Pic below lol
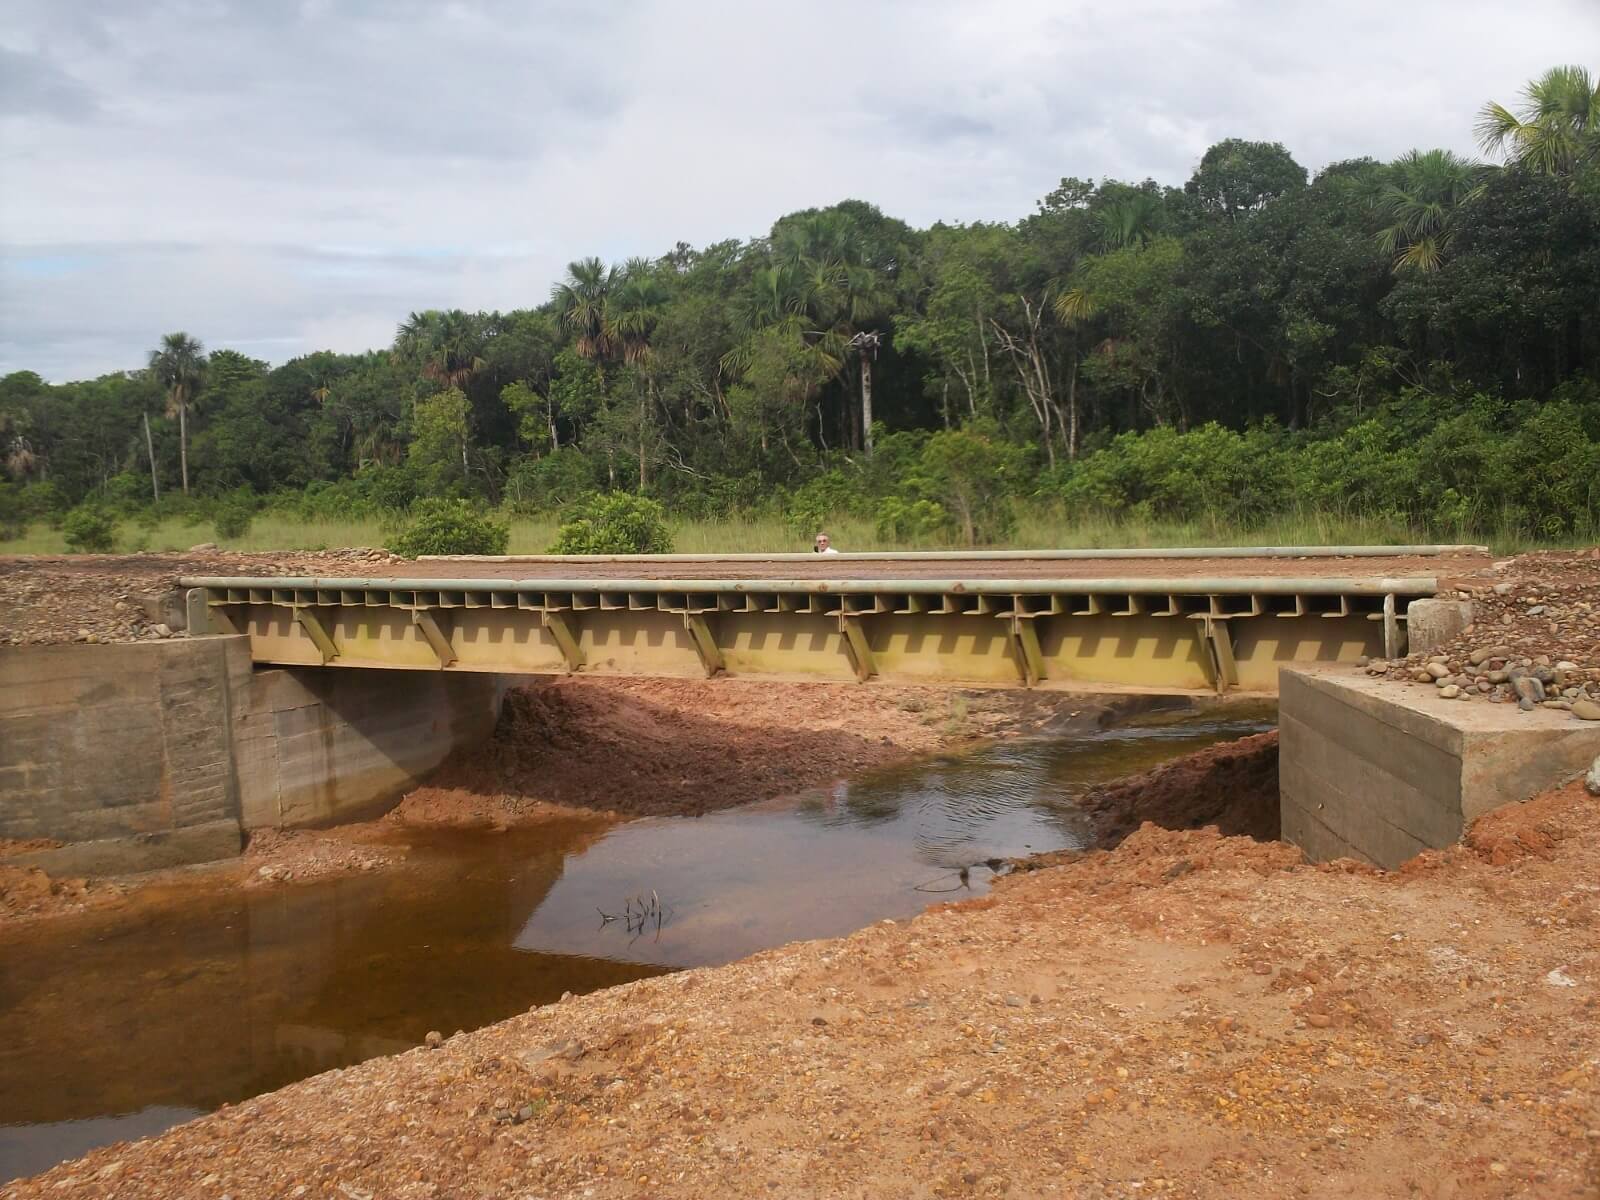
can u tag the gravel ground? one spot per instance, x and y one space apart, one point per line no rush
1186 1015
131 597
1534 638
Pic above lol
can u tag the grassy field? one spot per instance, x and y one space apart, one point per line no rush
1037 527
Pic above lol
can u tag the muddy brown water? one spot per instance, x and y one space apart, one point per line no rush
122 1024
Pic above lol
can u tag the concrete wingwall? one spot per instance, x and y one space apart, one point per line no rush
1381 770
315 747
148 754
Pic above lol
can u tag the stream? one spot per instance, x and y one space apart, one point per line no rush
123 1023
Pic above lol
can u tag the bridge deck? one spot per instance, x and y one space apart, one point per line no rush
1449 562
1058 619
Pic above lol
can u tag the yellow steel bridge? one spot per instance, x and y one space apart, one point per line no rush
1037 619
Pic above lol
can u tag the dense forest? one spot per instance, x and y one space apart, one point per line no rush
1418 337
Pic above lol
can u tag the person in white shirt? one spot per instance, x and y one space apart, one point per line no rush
824 545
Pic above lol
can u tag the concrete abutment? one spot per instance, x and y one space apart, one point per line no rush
150 754
1381 770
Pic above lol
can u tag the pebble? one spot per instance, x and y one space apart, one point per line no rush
1449 692
433 1040
1591 781
1015 1001
1586 710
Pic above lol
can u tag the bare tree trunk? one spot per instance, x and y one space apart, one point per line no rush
150 449
988 379
183 444
550 416
866 403
945 404
1032 373
1072 404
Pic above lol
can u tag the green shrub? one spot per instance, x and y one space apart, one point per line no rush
560 478
620 523
13 520
126 493
232 514
449 527
40 501
961 484
902 519
831 494
89 530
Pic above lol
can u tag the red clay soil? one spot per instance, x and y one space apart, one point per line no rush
28 892
1232 786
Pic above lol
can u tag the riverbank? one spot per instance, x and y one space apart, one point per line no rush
1186 1015
602 750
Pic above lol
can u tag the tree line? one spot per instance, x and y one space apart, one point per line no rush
1416 337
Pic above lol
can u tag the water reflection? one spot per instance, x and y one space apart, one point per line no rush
834 859
123 1023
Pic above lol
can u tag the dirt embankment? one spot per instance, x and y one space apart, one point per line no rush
1233 786
1184 1016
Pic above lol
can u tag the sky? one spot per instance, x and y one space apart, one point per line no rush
283 176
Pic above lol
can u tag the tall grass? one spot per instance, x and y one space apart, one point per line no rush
1038 526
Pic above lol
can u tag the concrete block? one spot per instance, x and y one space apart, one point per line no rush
1380 770
138 852
126 748
1432 623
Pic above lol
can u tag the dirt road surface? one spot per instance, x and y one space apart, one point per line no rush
1184 1016
1452 566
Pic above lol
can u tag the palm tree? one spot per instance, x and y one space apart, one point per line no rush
179 366
841 293
1425 191
632 309
581 303
1554 130
444 345
1128 220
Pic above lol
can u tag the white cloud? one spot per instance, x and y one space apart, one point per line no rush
291 176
